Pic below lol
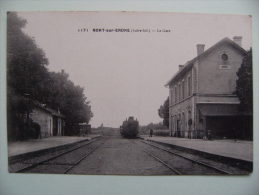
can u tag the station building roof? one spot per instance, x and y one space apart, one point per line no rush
189 64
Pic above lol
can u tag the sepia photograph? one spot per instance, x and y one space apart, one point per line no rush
129 93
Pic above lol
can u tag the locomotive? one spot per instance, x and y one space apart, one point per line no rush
129 128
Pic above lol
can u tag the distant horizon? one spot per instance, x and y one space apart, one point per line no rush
124 73
141 125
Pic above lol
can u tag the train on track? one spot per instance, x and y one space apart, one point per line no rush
129 128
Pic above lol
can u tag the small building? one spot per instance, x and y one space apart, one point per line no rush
202 101
51 122
85 129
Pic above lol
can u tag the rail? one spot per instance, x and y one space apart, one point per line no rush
56 156
192 160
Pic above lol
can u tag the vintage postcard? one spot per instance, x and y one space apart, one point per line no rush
129 93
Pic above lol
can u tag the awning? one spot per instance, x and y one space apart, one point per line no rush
218 109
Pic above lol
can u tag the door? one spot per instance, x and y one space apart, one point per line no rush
178 128
55 126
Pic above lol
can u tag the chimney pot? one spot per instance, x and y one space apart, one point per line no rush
200 48
238 40
181 66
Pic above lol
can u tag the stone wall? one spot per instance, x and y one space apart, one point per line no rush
44 119
217 76
180 114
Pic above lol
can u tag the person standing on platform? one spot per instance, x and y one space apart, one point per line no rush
151 132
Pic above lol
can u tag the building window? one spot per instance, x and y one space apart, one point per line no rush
175 97
171 96
224 57
179 92
183 122
183 88
189 86
224 61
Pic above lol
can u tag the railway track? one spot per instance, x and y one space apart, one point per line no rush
67 160
217 170
86 155
164 163
84 150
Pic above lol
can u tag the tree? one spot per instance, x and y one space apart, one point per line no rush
244 84
163 112
28 79
26 68
70 99
26 62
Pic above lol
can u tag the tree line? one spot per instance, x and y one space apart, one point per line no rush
28 78
163 112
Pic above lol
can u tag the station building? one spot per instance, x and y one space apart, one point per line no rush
51 122
202 101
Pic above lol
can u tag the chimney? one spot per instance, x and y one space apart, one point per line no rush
200 48
238 40
181 67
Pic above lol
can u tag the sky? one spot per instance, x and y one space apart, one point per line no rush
124 73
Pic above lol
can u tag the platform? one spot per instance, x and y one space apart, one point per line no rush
34 145
237 149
